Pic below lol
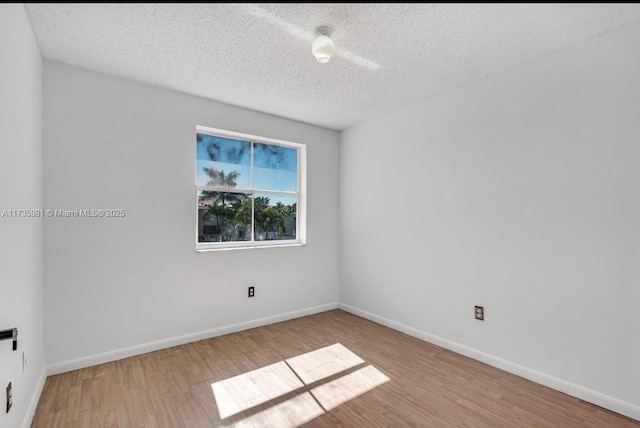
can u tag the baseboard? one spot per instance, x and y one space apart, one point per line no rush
106 357
35 397
597 398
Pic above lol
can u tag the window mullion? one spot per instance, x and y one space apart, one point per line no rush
253 218
253 214
298 191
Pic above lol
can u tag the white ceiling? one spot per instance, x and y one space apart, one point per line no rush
258 56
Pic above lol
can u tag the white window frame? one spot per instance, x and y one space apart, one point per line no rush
301 193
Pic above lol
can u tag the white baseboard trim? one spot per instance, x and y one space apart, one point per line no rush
119 354
597 398
35 397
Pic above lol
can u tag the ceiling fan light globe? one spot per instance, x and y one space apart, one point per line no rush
323 48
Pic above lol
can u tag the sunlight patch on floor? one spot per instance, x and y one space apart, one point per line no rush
324 362
330 395
243 393
247 390
291 413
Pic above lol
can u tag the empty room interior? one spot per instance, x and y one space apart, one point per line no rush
283 215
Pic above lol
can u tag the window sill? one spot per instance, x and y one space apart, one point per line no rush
235 246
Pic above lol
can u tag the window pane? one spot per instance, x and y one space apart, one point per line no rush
222 162
223 216
275 217
275 167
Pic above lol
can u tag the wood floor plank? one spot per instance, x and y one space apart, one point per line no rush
428 385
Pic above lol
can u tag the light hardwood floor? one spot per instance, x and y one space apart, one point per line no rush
428 387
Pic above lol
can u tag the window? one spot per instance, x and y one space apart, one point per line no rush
250 191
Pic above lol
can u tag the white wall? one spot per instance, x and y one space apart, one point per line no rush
120 283
20 238
519 192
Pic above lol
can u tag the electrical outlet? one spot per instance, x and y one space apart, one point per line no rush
252 291
480 313
9 397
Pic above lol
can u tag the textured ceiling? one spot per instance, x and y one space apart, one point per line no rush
258 56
